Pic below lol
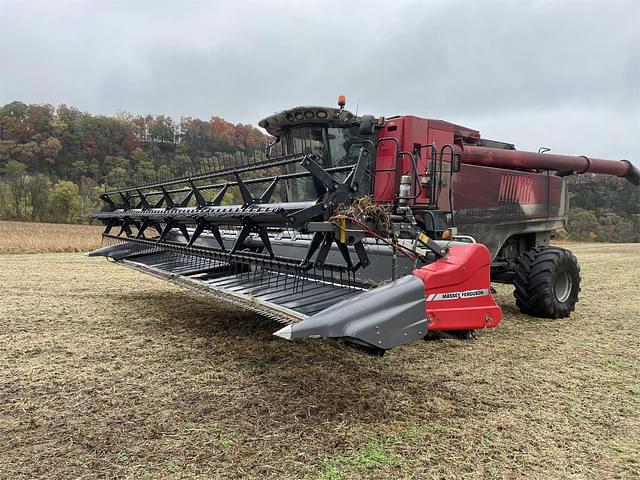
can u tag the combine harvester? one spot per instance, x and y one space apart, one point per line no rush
369 231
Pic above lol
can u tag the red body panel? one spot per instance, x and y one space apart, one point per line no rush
458 290
507 193
481 163
490 203
410 132
478 185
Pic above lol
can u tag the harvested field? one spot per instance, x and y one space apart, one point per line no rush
108 373
25 237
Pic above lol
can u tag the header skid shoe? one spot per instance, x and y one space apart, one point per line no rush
385 317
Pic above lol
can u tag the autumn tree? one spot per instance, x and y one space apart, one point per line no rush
51 148
139 155
27 153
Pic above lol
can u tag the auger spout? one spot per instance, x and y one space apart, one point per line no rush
566 164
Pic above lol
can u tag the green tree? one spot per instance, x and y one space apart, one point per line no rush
17 110
583 225
145 172
614 228
117 178
96 201
65 202
161 129
6 151
164 172
78 169
6 207
16 178
116 162
38 193
183 164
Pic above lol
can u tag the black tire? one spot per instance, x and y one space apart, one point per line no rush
547 282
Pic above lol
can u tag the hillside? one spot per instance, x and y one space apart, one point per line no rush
604 209
55 161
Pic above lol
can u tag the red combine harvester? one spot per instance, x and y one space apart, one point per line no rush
370 231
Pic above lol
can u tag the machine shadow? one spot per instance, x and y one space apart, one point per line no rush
309 377
183 311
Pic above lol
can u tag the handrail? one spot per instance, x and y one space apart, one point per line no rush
435 171
452 150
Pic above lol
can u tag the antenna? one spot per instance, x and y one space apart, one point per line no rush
357 105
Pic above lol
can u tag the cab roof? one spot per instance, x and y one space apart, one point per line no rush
278 122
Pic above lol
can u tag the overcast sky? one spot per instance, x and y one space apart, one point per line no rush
562 74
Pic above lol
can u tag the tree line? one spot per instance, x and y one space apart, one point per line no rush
603 209
55 162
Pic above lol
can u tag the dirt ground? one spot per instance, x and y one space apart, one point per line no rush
107 373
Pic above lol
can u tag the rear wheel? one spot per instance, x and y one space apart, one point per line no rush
547 282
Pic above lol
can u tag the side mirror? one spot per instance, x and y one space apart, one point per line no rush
367 124
269 146
455 163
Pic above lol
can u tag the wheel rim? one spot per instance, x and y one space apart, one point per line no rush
562 287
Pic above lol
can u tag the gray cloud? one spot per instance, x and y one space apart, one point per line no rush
564 74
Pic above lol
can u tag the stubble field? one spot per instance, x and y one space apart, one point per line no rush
107 373
27 237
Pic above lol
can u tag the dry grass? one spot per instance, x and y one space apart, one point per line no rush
24 237
108 373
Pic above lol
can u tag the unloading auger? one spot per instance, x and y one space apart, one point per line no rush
346 228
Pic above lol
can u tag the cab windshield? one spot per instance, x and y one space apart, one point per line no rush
336 147
313 140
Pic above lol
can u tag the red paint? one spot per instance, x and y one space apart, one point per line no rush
466 269
516 189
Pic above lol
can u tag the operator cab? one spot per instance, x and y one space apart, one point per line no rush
333 134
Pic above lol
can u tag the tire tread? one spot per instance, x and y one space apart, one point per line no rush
534 282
